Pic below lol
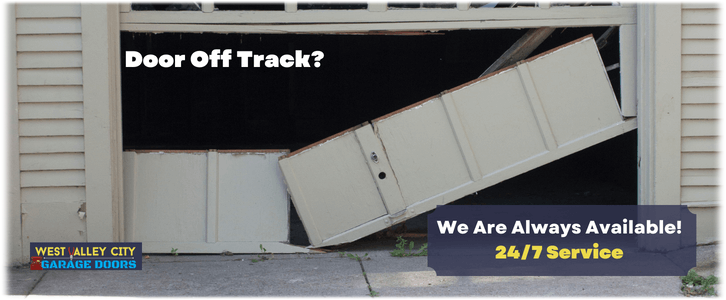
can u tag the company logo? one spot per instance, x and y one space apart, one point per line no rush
85 256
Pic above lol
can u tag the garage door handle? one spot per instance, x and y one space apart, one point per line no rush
374 157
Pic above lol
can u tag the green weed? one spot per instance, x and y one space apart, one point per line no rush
694 284
354 256
261 257
401 249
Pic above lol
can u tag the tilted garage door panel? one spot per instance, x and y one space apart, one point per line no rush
459 142
517 135
335 191
574 99
423 151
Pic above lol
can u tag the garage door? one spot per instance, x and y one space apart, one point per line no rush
440 149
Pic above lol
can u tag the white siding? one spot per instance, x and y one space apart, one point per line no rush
699 108
50 120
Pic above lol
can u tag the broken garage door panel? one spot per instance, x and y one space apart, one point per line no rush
448 146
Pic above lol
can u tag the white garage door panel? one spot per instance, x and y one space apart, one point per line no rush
206 201
516 132
251 188
577 100
422 151
449 146
336 190
170 192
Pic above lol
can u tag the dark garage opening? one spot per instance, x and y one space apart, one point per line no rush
361 77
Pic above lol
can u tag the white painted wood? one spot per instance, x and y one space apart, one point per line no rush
114 61
50 94
699 16
363 27
699 111
388 186
700 172
67 76
699 127
517 132
623 16
428 161
463 5
37 10
170 197
54 144
60 161
592 109
49 42
700 79
628 4
699 144
704 204
100 109
63 110
290 6
49 26
340 194
543 4
52 178
699 62
516 169
699 181
522 167
700 5
50 127
212 195
72 194
700 95
30 60
124 7
700 47
462 140
423 152
253 203
700 32
130 169
699 160
535 102
377 6
699 193
207 7
15 240
628 65
706 217
226 198
52 222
